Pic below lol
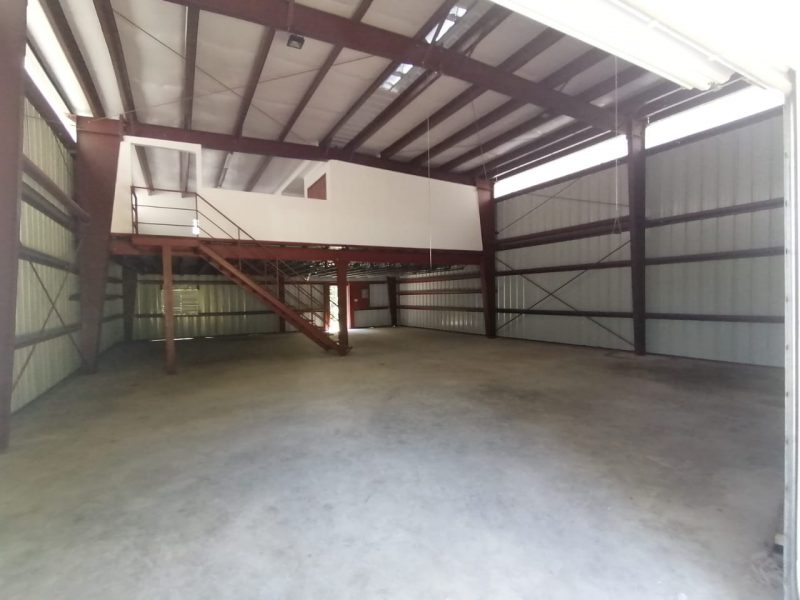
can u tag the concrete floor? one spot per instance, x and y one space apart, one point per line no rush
423 465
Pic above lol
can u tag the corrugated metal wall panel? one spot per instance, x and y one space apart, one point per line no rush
113 331
40 232
40 144
591 197
598 332
452 320
39 367
733 168
51 361
448 320
378 294
372 318
216 295
378 297
752 343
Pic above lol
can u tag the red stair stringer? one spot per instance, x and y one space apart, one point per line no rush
316 334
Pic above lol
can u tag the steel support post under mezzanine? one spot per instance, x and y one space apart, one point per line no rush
343 300
169 310
97 153
486 212
638 226
12 74
391 287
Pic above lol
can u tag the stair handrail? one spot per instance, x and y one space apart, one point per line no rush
240 230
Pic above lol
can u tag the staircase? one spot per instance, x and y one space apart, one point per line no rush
296 318
210 222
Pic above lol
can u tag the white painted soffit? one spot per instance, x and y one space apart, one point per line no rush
695 43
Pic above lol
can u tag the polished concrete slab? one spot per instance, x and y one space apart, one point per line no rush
423 465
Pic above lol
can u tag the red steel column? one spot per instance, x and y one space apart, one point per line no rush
391 284
95 179
169 316
12 74
344 301
486 212
636 210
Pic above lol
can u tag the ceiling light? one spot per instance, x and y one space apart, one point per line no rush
296 41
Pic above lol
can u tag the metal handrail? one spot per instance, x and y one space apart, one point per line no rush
240 230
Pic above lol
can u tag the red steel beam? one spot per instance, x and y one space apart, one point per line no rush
231 143
66 39
138 245
189 67
435 18
95 181
513 63
596 91
486 211
559 77
566 138
256 69
474 35
309 93
12 56
49 115
327 27
108 24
